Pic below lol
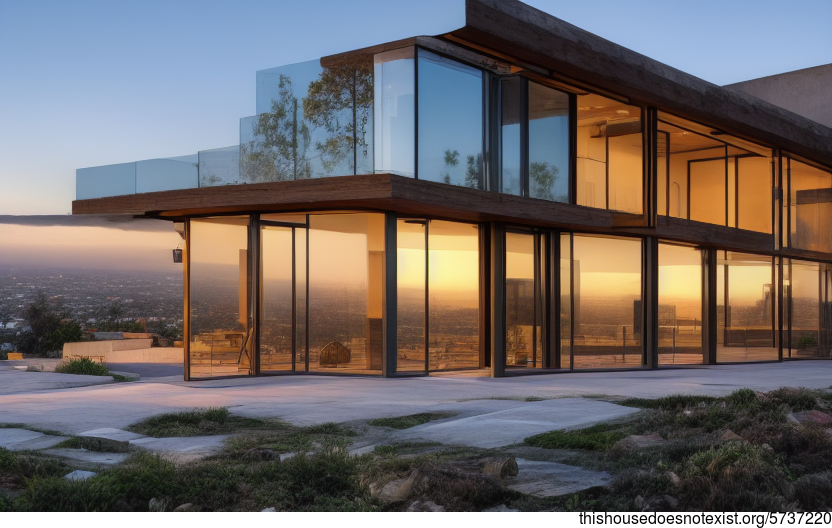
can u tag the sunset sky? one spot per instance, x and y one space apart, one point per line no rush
85 83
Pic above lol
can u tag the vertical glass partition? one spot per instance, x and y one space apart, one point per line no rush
220 333
548 143
607 302
411 264
395 112
511 124
810 200
346 265
314 119
610 172
680 305
806 306
454 288
521 298
450 121
746 308
708 176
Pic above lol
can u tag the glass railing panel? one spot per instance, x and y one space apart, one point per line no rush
107 180
219 166
167 174
395 112
313 121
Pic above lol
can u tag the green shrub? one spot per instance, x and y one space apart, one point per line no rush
595 438
84 366
197 422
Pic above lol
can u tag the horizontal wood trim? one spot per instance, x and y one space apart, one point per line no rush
408 196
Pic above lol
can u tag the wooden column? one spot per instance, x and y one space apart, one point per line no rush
709 301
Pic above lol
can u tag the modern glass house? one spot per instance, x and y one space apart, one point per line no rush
517 195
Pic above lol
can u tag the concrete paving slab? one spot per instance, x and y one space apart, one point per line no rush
191 445
93 457
308 400
550 479
112 434
515 423
23 439
22 381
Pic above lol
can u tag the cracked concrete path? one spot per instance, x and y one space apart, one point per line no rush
307 400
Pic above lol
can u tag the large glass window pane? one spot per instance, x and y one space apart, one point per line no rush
220 340
548 143
745 308
754 193
278 292
410 264
610 170
805 294
607 302
346 262
811 207
520 300
708 176
565 301
395 112
680 305
511 123
454 295
707 190
450 121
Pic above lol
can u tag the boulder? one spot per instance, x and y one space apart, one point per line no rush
730 436
395 490
810 417
80 475
674 479
268 509
187 507
157 505
501 467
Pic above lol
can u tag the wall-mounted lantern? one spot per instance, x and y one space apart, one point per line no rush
177 256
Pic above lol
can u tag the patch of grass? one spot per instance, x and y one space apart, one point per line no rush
100 445
669 403
50 432
197 422
411 420
84 366
119 378
599 437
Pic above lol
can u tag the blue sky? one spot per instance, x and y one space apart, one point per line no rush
97 82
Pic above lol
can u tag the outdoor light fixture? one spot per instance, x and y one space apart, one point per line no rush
177 256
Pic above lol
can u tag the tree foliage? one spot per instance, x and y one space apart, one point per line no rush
51 327
542 180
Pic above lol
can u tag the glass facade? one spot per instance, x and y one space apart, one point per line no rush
607 302
453 296
395 111
746 308
451 122
680 305
610 167
220 307
810 211
310 294
705 176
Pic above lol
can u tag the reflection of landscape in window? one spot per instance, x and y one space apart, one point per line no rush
607 302
745 308
410 262
450 122
220 338
680 305
454 295
312 122
548 143
807 308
